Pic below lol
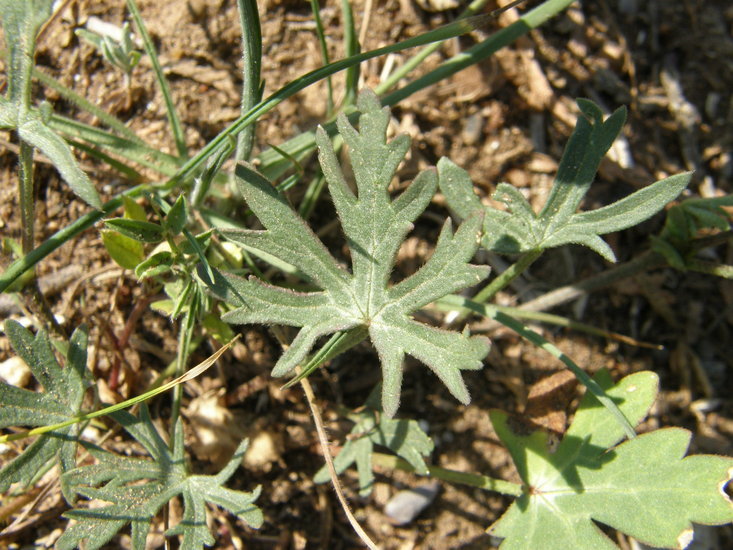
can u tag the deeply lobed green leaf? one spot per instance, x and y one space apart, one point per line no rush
643 487
136 489
375 226
404 437
61 401
520 229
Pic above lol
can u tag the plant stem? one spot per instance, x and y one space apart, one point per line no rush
26 193
31 293
323 439
514 271
474 480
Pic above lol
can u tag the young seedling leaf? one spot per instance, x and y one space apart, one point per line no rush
177 216
644 487
683 223
404 437
136 489
375 226
61 401
520 229
126 252
145 232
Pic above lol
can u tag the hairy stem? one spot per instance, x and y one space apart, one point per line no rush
32 295
474 480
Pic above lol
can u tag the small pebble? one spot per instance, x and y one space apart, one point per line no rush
15 372
405 506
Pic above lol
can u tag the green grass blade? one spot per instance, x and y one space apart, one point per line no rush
249 19
479 52
351 48
21 265
508 321
415 61
131 150
456 28
173 118
321 33
70 95
130 173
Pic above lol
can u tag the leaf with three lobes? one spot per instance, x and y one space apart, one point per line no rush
61 401
521 230
644 487
375 226
404 437
136 489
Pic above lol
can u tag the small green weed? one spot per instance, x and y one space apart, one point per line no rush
214 271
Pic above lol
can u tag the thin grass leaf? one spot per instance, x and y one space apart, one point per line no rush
70 95
375 226
21 21
249 22
450 30
321 33
133 150
173 118
492 312
351 48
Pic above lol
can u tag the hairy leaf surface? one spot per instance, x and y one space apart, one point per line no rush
20 22
375 226
644 487
404 437
520 229
61 401
136 489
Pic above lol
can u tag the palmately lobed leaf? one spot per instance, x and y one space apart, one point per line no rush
61 401
375 226
520 229
644 487
136 489
404 437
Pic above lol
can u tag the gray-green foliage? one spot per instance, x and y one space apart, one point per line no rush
136 489
404 437
520 229
21 21
683 223
643 487
375 226
61 401
121 54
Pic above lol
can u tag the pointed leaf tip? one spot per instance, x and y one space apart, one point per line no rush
375 226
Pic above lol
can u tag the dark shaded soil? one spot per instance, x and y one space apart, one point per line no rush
670 63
